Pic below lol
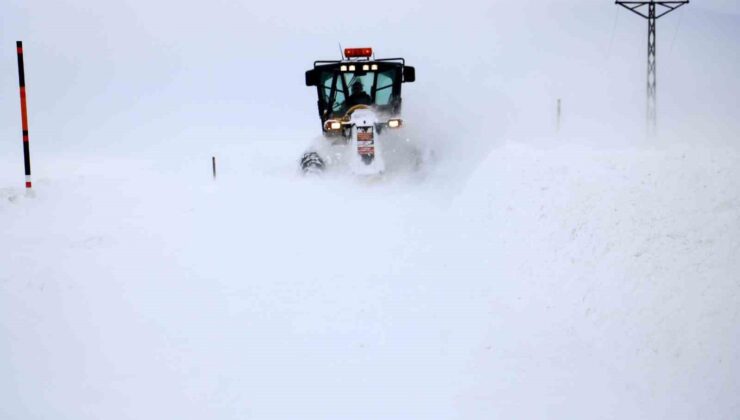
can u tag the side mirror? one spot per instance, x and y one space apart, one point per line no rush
409 74
312 77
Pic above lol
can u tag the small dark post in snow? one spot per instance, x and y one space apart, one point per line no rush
24 113
213 161
559 114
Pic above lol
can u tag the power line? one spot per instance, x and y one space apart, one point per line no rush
611 40
675 34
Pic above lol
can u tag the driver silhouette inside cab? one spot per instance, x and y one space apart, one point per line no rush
358 95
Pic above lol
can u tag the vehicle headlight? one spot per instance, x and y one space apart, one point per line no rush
395 122
332 125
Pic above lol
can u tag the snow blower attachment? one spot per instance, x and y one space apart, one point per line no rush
359 102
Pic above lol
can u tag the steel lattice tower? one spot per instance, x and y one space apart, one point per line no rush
652 15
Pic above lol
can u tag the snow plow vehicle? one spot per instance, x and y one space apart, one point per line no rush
359 103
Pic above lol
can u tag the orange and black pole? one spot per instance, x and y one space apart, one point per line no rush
24 114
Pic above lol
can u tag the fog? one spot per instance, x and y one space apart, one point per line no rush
133 75
522 272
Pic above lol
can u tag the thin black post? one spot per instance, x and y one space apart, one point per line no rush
652 71
24 114
213 161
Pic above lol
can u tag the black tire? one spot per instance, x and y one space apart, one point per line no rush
311 163
367 159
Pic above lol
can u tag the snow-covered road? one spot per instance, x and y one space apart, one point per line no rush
543 282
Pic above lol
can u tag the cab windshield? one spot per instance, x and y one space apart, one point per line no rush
342 90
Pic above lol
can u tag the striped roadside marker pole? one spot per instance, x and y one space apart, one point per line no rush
24 114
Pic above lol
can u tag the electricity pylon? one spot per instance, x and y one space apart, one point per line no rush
652 15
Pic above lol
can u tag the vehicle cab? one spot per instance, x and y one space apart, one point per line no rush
358 80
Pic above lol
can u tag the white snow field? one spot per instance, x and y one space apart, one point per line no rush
555 283
523 274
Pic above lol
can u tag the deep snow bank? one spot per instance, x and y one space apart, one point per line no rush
553 282
621 278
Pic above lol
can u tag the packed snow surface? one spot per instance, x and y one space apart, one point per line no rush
549 282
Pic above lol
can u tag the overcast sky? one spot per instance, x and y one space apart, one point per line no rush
137 72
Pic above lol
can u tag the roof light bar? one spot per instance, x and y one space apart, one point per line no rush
358 52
